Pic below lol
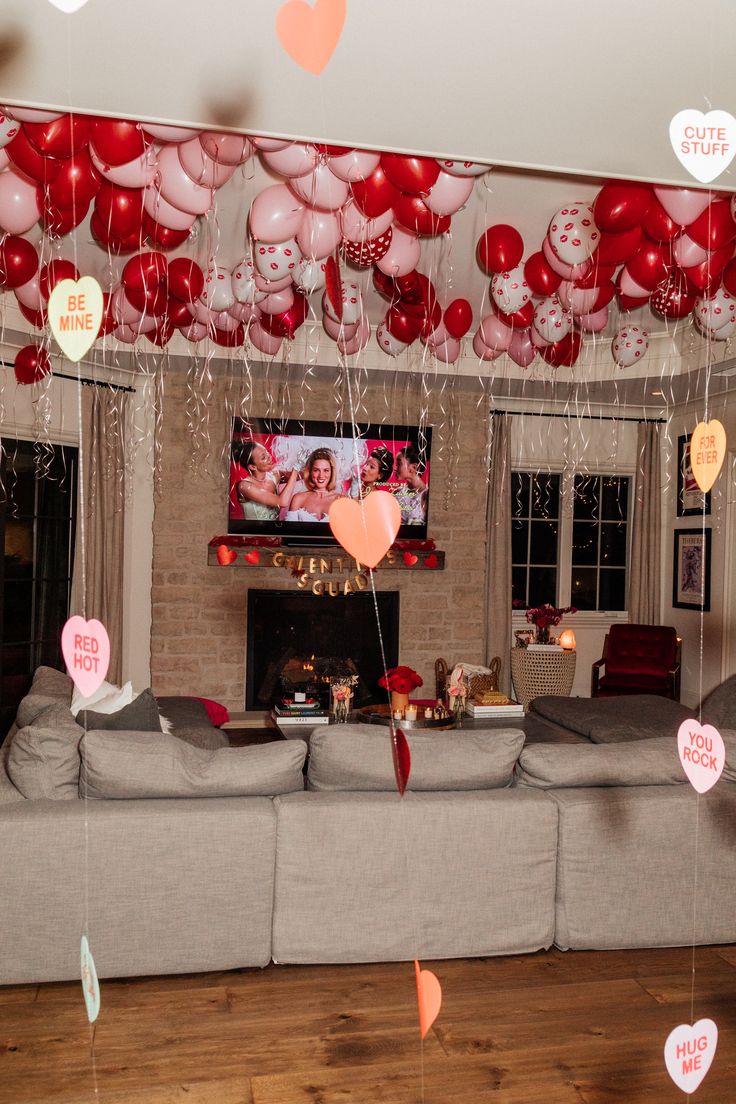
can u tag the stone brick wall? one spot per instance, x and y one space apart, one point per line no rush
199 612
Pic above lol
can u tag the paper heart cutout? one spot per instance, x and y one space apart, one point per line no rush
689 1052
366 529
429 998
402 758
90 984
68 6
410 559
253 557
431 561
707 453
702 754
75 311
309 34
225 555
704 145
85 646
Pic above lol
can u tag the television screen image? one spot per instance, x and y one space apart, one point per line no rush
284 475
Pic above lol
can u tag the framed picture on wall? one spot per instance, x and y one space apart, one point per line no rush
691 569
690 499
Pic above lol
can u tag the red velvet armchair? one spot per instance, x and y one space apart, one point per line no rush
638 659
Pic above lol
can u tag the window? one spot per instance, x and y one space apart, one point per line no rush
37 517
570 540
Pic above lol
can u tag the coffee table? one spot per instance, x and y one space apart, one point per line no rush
536 729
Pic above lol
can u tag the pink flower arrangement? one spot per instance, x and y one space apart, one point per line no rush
401 679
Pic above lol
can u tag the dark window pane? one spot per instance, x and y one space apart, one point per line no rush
20 481
543 546
520 494
585 504
18 548
613 545
614 498
518 584
613 589
545 496
519 541
542 585
584 542
48 653
583 595
17 610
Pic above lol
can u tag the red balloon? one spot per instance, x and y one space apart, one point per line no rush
563 353
163 236
631 302
53 273
18 261
186 279
162 332
114 242
37 318
616 249
673 297
153 302
61 137
715 227
333 151
374 196
621 205
707 276
729 277
119 210
500 248
412 212
27 158
404 327
650 265
108 323
458 317
417 296
76 183
540 276
32 363
229 339
606 292
521 319
288 322
59 221
597 275
146 272
410 174
178 312
117 141
385 285
658 224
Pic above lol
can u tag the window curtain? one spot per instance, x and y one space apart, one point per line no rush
498 548
97 588
644 577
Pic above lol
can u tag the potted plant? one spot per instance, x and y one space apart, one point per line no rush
400 681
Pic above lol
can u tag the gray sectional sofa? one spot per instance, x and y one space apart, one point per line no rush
178 858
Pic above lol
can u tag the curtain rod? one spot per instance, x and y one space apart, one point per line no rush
84 380
589 417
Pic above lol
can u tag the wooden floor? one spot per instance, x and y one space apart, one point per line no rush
579 1027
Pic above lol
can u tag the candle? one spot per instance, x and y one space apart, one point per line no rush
397 715
428 714
411 712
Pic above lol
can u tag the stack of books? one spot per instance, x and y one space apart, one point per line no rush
308 712
503 707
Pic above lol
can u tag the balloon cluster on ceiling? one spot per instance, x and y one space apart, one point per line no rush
338 209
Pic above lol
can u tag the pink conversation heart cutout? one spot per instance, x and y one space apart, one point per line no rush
702 754
689 1052
85 646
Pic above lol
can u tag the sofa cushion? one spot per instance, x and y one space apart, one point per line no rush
52 684
652 762
614 720
32 706
359 757
719 707
43 758
140 715
152 764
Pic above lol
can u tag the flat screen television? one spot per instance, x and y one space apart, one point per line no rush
284 474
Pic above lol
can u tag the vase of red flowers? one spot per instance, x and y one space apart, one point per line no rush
400 681
542 617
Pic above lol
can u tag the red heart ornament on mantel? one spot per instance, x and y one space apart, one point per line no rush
225 555
310 32
410 559
366 529
431 561
253 557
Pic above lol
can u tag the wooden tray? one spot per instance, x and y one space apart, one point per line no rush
381 714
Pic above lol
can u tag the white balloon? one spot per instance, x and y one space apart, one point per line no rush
462 168
724 332
551 320
629 345
320 188
356 165
336 329
510 291
133 174
573 233
449 193
566 271
310 275
244 288
352 305
717 311
32 114
218 292
387 342
274 262
8 129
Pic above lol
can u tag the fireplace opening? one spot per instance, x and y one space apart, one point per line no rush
295 638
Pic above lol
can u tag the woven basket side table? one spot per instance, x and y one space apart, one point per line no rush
537 673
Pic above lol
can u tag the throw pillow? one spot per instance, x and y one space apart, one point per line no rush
140 715
144 764
43 758
106 698
31 707
217 713
52 683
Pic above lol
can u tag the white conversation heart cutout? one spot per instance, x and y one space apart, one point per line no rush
689 1053
702 754
75 311
68 7
705 145
90 984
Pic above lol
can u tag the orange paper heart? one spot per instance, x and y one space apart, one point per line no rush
225 555
309 34
410 559
253 557
366 529
429 997
707 453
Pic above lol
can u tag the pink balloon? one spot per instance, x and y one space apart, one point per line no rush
178 188
133 174
403 254
538 341
275 214
270 144
4 159
164 212
578 300
279 302
200 167
226 149
170 133
225 321
495 334
145 324
521 349
437 336
353 345
264 341
194 332
683 205
567 272
245 312
357 227
356 165
318 234
449 193
448 351
320 188
687 252
128 334
123 311
296 159
30 295
336 329
32 114
481 349
630 287
593 323
202 312
268 287
20 207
